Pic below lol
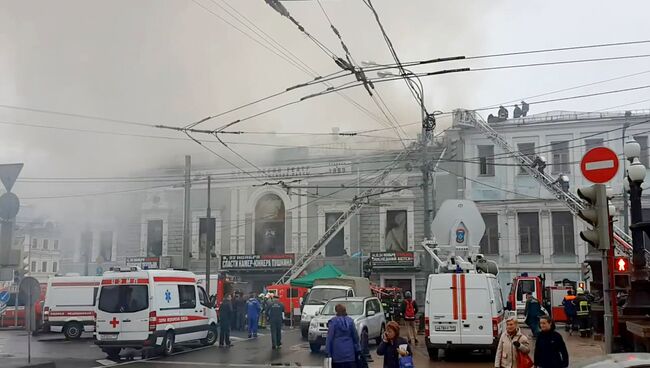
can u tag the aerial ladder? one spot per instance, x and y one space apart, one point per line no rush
469 118
303 261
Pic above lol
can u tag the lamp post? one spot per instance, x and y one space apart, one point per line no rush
638 301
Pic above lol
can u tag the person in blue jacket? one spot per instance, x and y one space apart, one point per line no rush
342 343
253 309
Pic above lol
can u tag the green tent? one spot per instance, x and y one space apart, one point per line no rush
325 272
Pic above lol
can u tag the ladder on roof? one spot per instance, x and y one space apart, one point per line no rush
622 241
317 247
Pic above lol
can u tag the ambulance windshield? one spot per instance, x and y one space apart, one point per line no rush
123 298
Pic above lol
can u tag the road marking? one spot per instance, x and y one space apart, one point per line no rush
106 362
597 165
234 365
158 357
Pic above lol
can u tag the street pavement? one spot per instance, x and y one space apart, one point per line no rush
253 353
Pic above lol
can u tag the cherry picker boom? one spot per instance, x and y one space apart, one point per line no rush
622 241
305 259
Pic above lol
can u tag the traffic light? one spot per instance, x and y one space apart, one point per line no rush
621 265
596 214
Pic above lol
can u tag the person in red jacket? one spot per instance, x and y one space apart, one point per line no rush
409 311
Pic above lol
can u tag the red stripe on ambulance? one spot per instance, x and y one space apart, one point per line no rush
454 291
174 279
175 319
463 298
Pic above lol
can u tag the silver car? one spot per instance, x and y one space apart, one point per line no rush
366 312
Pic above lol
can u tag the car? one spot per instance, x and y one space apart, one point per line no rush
367 313
152 309
622 360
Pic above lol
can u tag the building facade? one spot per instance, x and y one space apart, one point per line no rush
528 230
41 243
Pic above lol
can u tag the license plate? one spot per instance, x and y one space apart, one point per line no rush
445 328
108 337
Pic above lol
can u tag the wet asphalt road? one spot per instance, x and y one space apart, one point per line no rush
254 353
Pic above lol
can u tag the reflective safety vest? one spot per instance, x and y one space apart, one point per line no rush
583 307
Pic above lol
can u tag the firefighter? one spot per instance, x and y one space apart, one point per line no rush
570 311
583 313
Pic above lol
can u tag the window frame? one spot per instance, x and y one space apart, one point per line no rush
642 140
589 146
563 249
559 163
46 244
528 153
486 162
487 235
44 266
530 237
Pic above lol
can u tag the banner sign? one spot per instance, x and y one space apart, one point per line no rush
257 262
392 259
148 263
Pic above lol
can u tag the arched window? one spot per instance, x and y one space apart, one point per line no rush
269 225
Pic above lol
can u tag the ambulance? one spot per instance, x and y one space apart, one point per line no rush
152 310
70 305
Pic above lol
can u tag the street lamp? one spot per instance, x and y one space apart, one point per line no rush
638 301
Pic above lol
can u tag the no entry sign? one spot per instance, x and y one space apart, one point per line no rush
599 165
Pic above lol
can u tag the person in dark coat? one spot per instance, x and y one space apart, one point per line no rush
550 349
225 321
390 346
342 343
532 312
240 312
275 316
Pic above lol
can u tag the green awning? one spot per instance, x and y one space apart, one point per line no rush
325 272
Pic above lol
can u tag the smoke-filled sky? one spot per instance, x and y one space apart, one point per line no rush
174 62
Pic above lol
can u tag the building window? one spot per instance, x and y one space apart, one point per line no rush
396 232
206 234
336 246
46 244
44 266
563 240
34 243
528 150
490 241
55 267
646 217
560 162
32 267
528 232
106 246
643 142
269 225
86 245
154 238
486 160
593 143
56 244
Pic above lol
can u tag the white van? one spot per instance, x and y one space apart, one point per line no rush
145 309
463 311
70 305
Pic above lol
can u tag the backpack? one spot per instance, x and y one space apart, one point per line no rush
410 309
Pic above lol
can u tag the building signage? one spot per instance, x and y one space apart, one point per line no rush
392 259
257 262
148 263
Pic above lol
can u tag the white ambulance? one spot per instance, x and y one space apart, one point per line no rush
152 309
70 305
464 311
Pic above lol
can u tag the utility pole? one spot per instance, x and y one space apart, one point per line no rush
626 208
186 214
428 123
208 240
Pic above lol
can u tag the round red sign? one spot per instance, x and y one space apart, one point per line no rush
599 165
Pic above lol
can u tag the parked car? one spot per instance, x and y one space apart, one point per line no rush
367 313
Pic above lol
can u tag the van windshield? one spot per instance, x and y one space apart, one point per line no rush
322 295
123 298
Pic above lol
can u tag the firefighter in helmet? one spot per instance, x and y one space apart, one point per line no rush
583 313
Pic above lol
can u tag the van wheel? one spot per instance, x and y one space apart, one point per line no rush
168 344
381 335
315 348
212 336
72 330
112 353
433 353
